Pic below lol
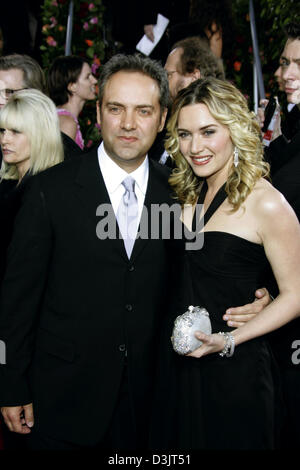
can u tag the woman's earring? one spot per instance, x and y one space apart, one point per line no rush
235 157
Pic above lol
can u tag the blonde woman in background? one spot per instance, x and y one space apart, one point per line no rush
31 142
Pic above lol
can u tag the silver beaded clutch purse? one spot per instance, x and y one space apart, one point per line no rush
183 336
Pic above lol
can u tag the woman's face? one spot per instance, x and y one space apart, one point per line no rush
204 142
85 86
15 148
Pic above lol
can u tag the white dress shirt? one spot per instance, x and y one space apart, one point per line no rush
113 176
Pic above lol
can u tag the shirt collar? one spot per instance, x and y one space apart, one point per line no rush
290 107
113 175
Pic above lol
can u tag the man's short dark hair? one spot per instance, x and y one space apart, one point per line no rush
197 55
136 63
63 71
33 75
293 31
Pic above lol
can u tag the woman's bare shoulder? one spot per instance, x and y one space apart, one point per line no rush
268 201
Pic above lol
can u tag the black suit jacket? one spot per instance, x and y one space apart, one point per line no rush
287 145
72 304
71 149
287 180
10 200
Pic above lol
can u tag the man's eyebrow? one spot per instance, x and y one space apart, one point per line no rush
288 60
116 103
145 106
113 103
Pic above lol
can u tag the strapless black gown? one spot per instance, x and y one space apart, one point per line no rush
215 402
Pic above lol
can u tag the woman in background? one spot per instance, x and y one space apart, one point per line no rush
70 84
30 141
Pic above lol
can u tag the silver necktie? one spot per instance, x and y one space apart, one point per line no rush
127 215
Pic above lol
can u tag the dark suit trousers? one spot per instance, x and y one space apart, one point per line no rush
121 435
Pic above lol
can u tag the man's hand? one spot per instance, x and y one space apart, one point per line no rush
148 30
238 316
18 418
276 129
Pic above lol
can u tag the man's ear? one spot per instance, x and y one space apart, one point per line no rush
98 113
196 74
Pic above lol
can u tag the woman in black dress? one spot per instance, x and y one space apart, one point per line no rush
209 401
30 142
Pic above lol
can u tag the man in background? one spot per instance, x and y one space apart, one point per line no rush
284 157
17 72
188 60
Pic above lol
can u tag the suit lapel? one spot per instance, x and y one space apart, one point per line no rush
158 192
91 189
92 193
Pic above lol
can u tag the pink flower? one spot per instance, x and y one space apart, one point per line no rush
94 20
54 3
51 41
86 26
91 6
53 22
89 143
94 68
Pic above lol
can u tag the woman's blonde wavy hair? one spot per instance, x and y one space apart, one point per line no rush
33 113
229 107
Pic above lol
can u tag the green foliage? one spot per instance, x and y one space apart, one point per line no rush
271 17
87 42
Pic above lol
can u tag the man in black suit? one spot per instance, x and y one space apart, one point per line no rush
286 340
286 145
284 156
91 312
79 317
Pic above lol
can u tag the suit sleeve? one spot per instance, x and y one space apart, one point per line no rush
276 152
22 292
287 180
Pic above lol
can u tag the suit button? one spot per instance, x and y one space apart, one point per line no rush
122 347
131 268
129 307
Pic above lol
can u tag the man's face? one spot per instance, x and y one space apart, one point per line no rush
9 80
177 81
290 69
130 118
